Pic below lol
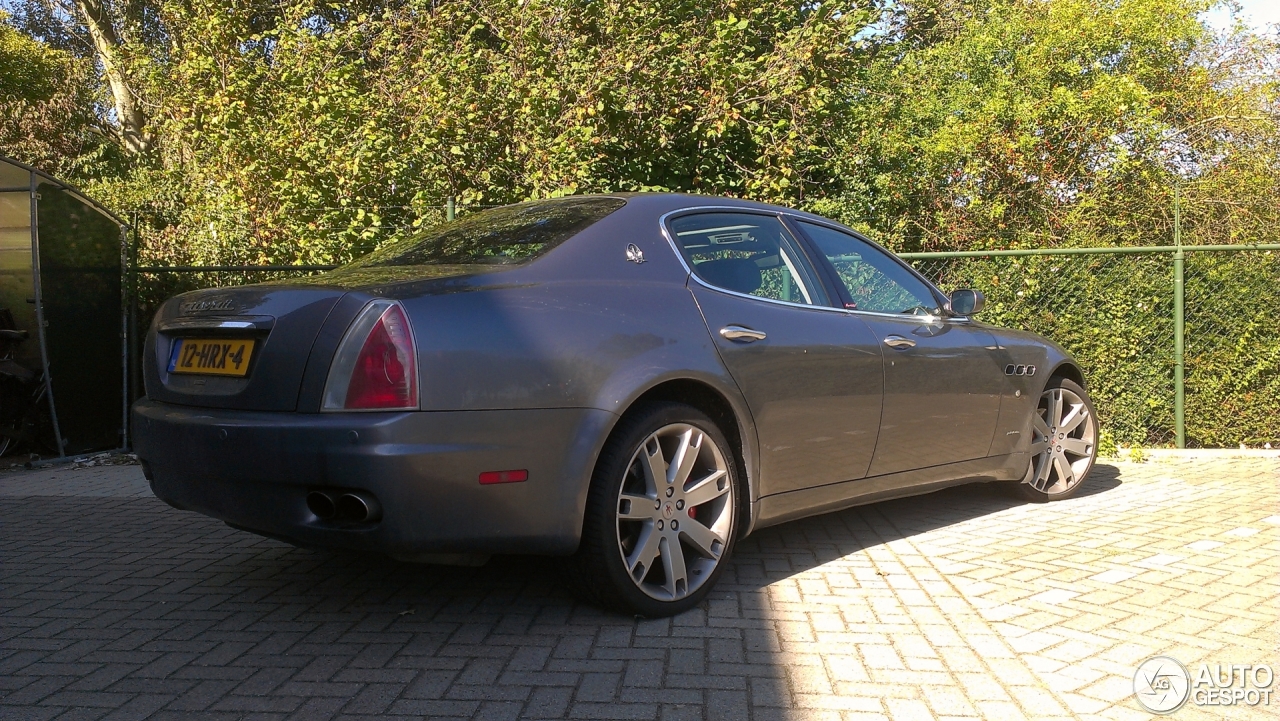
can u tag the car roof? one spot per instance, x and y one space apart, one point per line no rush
661 203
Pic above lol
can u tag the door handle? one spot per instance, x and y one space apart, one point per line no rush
739 333
897 341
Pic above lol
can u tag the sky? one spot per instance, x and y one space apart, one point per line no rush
1257 14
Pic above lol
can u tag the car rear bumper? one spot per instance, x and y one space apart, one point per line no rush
254 470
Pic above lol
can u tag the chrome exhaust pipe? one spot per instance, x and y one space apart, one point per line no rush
358 507
322 505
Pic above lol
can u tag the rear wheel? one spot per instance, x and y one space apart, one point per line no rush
1064 443
661 513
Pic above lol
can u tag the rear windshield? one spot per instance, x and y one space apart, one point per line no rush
510 235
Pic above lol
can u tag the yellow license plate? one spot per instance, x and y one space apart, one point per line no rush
218 357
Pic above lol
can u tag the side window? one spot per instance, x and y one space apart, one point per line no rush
875 281
747 253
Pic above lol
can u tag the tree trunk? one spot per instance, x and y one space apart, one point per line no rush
130 119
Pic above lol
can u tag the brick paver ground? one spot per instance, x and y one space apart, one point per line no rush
960 604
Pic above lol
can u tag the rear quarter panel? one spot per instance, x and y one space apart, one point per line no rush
582 327
567 344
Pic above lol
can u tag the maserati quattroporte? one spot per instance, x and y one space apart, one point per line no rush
633 382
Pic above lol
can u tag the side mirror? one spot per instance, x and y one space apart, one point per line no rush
966 302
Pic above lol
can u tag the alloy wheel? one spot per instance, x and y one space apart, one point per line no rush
674 512
1064 442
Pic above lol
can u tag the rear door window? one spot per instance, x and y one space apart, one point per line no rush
749 254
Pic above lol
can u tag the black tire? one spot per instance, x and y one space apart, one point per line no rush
1041 487
598 572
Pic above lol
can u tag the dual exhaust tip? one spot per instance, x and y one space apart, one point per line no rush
344 506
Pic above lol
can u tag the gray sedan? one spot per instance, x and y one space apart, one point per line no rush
633 382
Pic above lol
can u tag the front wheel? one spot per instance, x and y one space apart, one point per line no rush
661 513
1064 443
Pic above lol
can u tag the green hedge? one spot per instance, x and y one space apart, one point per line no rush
1114 313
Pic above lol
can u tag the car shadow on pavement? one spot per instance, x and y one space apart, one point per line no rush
801 545
113 601
340 579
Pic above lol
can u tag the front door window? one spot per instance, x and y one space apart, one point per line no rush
875 282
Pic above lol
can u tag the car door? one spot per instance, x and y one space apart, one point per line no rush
942 380
811 377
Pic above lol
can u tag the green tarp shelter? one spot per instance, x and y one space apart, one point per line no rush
61 263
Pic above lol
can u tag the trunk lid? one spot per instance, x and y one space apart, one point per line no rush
282 321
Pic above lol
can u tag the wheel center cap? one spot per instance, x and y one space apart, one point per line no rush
668 509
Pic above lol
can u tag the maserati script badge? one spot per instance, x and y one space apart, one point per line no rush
208 305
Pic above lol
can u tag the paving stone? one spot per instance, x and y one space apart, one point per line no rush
959 604
548 703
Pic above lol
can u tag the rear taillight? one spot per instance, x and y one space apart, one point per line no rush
375 368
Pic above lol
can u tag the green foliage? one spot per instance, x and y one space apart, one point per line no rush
28 70
299 138
1233 349
1114 313
1107 447
304 132
47 103
1033 124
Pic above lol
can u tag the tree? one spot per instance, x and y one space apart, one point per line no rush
1070 122
265 131
316 136
131 121
114 38
46 105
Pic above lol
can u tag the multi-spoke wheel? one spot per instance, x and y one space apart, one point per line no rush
660 513
1064 442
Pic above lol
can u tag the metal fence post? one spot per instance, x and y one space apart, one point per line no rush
449 208
1179 329
135 353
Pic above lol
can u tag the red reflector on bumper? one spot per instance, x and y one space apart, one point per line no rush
489 477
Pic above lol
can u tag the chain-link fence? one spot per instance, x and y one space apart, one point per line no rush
1113 309
1116 312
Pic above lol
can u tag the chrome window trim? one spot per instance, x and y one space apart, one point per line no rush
926 319
894 256
671 243
666 233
